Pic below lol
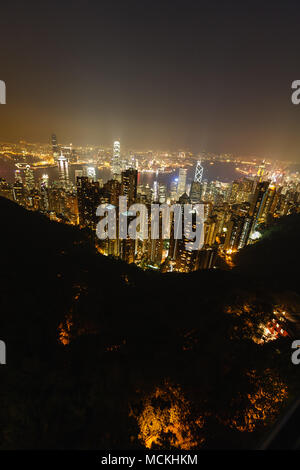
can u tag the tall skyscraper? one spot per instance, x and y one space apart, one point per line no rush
198 172
19 193
63 171
184 258
268 206
29 178
88 196
18 176
245 233
181 187
44 201
129 185
116 164
91 173
195 193
55 147
162 193
261 171
238 231
234 192
173 189
258 203
128 189
155 196
113 190
45 180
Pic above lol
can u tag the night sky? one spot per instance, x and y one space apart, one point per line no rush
204 75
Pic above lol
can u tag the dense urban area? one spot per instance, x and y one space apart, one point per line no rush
235 212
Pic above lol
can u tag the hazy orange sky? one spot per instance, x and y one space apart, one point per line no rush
205 75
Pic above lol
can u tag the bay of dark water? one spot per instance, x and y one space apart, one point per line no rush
221 171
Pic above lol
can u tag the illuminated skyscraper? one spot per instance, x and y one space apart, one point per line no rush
116 164
185 259
113 190
173 189
18 176
55 147
19 193
195 193
181 182
88 196
198 172
129 185
258 203
63 171
91 173
234 192
44 200
268 206
261 171
162 193
204 190
155 246
155 191
45 180
245 233
29 178
238 231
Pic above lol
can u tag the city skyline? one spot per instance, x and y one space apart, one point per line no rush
106 187
45 149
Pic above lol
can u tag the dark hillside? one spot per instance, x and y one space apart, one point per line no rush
89 339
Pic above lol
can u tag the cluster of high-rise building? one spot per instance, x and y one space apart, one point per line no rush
57 199
234 213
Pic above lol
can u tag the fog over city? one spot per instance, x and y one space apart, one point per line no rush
213 76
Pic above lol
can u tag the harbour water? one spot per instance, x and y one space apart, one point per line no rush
221 171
